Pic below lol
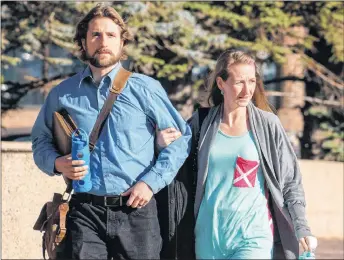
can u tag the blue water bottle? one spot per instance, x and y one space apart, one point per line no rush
307 255
80 151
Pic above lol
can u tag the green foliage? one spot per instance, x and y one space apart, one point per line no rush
7 60
178 31
172 72
59 61
84 7
275 17
170 38
10 60
318 111
330 135
216 13
197 84
331 23
32 26
333 146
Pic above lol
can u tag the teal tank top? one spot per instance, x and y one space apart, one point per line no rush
234 207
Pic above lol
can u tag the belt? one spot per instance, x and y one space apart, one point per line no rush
106 201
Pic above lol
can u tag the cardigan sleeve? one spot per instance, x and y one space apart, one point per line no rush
292 188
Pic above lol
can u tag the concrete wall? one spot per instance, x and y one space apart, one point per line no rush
25 189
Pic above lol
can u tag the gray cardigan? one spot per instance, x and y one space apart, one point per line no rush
279 166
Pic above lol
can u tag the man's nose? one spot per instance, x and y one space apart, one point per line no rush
103 40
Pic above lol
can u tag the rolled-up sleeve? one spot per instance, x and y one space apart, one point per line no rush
172 157
44 151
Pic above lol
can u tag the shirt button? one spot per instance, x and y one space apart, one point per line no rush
171 201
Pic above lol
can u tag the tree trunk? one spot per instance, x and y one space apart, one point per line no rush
290 111
46 53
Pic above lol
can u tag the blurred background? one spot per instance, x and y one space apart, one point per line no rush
298 45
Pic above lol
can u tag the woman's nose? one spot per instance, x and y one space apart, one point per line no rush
246 88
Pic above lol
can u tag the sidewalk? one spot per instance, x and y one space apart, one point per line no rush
330 249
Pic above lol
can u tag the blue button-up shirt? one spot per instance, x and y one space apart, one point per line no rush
124 152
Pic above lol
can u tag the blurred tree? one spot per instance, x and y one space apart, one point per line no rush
30 29
178 42
32 26
174 39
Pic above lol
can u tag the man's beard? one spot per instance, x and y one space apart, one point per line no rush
95 60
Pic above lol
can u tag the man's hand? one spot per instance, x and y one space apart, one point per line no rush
167 136
140 195
71 169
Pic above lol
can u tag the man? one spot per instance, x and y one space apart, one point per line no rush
123 162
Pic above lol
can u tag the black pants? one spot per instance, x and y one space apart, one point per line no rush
98 232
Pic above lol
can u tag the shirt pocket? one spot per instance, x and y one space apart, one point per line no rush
132 131
245 173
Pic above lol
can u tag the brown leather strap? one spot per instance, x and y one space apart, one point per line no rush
63 209
117 87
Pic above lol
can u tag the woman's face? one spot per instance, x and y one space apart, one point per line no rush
238 89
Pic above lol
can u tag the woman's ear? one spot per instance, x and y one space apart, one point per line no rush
220 83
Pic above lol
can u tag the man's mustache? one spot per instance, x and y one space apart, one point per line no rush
100 51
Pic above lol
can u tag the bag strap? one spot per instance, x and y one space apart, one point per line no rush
61 233
116 89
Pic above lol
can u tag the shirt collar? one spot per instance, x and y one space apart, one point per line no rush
87 73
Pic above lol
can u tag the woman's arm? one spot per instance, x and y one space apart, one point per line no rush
292 188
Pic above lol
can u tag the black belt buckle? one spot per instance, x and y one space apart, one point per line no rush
113 204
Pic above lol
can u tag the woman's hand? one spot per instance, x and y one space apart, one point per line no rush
309 243
167 136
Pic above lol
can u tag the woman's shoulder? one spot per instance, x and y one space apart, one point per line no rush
200 114
269 117
271 122
197 118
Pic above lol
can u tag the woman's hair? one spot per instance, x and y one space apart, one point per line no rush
225 60
99 11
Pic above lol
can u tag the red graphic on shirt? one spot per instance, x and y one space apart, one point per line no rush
245 173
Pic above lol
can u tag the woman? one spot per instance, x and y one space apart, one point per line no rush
249 201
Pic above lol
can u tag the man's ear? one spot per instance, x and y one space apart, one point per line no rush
83 42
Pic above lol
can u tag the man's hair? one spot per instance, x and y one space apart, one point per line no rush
100 11
225 60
